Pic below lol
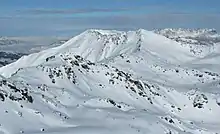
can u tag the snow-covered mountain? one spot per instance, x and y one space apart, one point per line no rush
106 82
200 42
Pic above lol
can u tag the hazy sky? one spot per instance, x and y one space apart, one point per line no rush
69 17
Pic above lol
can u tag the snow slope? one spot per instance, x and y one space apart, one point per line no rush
104 81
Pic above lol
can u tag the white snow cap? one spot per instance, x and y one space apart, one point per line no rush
108 81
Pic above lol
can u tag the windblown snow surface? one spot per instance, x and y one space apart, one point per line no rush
113 82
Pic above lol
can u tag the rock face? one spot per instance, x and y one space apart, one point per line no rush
200 100
105 81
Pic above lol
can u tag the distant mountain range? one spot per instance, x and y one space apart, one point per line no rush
12 48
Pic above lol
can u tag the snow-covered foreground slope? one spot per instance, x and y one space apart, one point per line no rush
104 82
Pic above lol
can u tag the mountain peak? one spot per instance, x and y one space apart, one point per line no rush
104 32
103 45
104 81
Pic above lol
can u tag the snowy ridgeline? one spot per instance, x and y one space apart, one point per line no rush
115 82
198 41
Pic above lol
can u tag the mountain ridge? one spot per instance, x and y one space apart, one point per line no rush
143 84
107 41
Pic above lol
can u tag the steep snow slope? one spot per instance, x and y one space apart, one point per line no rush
112 82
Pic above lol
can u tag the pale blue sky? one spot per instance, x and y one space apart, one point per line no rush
70 17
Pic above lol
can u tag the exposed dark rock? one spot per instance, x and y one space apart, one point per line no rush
2 97
85 66
200 100
49 58
112 102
